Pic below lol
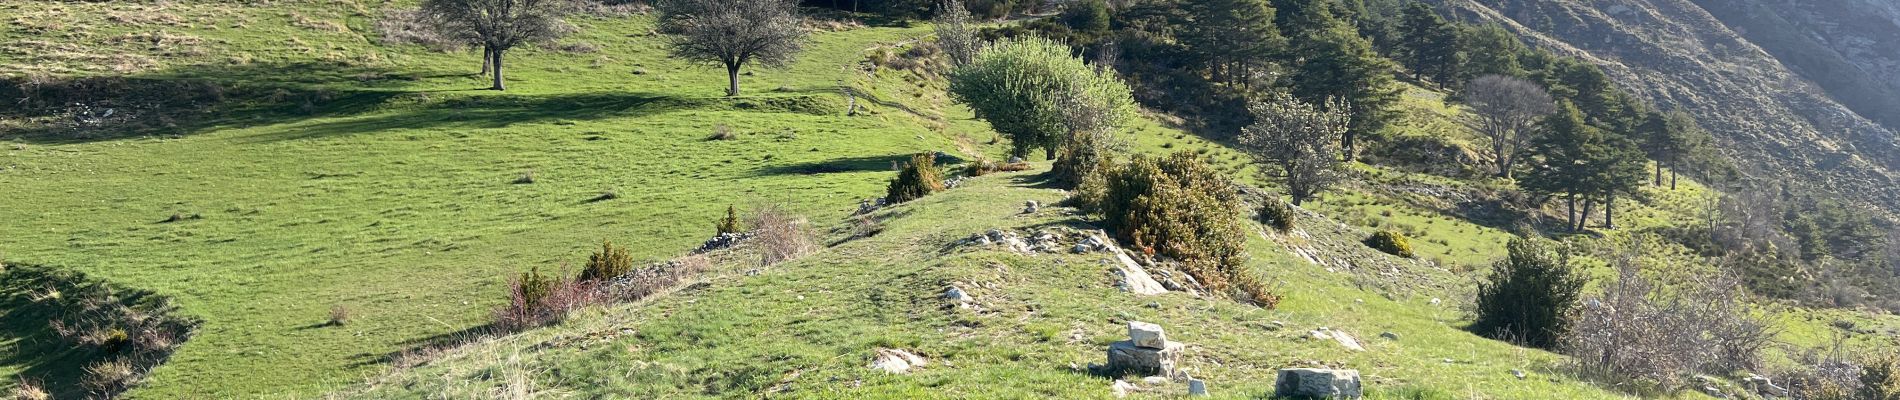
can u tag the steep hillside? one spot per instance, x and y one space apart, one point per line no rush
1675 53
1847 46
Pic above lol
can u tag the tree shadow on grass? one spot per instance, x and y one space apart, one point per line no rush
38 300
193 99
490 112
850 164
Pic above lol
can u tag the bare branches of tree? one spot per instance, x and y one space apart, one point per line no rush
499 25
734 33
1506 111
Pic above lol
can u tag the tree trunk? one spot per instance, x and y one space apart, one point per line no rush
1583 221
1570 213
1346 145
1609 212
497 62
488 60
1672 179
732 76
1659 173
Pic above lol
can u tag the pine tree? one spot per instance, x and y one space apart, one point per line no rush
1338 64
1584 164
1489 50
1428 45
1230 37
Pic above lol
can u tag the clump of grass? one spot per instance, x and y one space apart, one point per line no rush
525 178
112 376
29 391
723 132
781 235
608 263
339 315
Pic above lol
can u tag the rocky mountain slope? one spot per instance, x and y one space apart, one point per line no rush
1789 90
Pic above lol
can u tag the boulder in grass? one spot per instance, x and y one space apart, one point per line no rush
1147 335
1305 383
1125 356
896 361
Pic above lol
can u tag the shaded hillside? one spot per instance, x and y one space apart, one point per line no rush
1674 53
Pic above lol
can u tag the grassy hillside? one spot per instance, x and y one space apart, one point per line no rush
373 176
395 197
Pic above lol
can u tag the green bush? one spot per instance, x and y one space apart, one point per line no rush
729 224
1880 378
533 287
1529 296
1276 215
610 262
1180 208
915 179
1391 242
1087 16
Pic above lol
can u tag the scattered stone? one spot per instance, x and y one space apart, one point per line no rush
1031 207
1197 387
722 241
1389 336
1147 335
953 183
1015 159
1317 383
1152 304
896 361
1125 356
957 295
1762 386
1155 380
1518 373
1136 280
1434 301
1121 388
1344 339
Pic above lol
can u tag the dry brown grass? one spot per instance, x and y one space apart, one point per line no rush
780 235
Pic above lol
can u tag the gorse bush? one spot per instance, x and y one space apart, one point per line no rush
915 179
729 224
1529 296
1390 242
1277 215
610 262
1180 208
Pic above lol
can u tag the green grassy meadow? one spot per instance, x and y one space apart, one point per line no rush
384 181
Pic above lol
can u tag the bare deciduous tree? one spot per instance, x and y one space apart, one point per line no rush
954 33
1507 109
734 32
1299 140
499 25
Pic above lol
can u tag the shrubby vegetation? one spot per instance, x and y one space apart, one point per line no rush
1277 215
1529 296
1034 92
1180 208
915 179
499 25
1647 340
608 263
1390 242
